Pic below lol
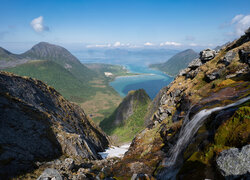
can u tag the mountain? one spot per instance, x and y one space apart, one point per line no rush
177 62
39 125
198 126
54 65
127 119
60 55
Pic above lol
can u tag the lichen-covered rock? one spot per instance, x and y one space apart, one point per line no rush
38 124
50 174
234 161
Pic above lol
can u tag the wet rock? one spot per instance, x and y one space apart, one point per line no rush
211 76
244 56
234 162
50 174
195 64
230 55
207 55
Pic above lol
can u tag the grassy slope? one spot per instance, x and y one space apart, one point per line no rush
126 131
177 62
54 75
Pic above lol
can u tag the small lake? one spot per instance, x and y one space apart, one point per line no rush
150 80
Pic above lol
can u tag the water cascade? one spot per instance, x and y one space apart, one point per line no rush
187 132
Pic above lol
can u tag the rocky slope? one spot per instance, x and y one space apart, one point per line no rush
215 79
177 62
38 124
127 119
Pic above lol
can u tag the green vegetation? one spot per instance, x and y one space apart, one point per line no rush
124 128
234 132
177 62
54 75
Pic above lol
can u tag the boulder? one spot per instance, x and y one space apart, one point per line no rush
211 76
207 55
50 173
184 72
244 56
234 162
230 55
195 64
192 74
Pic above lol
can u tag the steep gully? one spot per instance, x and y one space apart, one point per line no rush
187 132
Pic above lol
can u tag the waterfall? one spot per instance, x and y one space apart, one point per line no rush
187 132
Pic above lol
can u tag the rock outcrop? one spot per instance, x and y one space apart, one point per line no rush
38 124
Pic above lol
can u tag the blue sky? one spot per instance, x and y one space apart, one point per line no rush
78 24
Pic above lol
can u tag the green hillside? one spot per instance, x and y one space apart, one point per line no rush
54 75
128 119
177 62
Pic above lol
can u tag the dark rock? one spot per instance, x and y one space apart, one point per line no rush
234 162
38 124
50 174
244 56
195 64
211 76
207 55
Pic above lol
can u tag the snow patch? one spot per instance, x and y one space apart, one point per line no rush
115 151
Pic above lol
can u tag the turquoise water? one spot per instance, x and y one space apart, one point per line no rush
151 81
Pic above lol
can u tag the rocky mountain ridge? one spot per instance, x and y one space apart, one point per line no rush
38 124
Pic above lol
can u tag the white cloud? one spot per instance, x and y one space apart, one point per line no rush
241 23
237 18
37 24
169 43
117 44
98 45
148 44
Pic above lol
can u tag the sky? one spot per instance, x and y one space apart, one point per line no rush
79 24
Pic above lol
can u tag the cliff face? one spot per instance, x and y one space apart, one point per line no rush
214 79
127 119
38 124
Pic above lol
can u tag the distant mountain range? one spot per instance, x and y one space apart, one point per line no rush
177 62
